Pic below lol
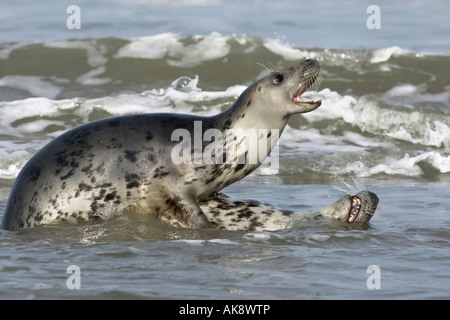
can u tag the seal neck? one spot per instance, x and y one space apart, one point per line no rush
254 131
246 114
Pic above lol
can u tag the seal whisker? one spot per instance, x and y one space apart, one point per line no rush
269 68
274 69
351 189
316 85
264 66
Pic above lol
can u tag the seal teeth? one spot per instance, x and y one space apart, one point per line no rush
305 86
354 210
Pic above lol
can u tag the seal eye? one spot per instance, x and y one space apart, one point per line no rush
278 79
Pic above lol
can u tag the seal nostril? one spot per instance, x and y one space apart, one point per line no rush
308 60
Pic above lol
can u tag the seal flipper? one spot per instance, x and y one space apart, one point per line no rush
183 212
194 216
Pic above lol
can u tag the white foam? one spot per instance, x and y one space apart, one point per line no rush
401 90
170 46
207 48
403 123
406 166
382 55
192 242
438 161
184 97
13 111
410 94
268 170
163 100
10 47
11 162
257 236
150 47
435 134
319 237
89 77
95 52
313 139
34 85
222 241
334 106
38 125
286 50
9 171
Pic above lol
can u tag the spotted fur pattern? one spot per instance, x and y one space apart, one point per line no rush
103 167
253 215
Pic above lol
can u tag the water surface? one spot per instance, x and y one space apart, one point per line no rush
383 126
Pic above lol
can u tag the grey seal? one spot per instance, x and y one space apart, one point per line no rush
148 162
251 215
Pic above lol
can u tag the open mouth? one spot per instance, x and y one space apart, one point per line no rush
354 210
297 95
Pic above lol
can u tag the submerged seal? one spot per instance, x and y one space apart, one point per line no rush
150 163
258 216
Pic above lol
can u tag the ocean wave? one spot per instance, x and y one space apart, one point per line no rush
106 61
379 118
171 47
384 111
341 130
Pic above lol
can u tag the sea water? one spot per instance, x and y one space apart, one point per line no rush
384 125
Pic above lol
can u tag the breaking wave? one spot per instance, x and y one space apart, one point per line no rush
384 112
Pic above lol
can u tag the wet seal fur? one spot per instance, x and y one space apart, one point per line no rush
103 167
251 215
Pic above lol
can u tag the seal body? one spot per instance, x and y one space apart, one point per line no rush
253 215
152 162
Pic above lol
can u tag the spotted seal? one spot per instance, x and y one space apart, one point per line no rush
251 215
146 162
